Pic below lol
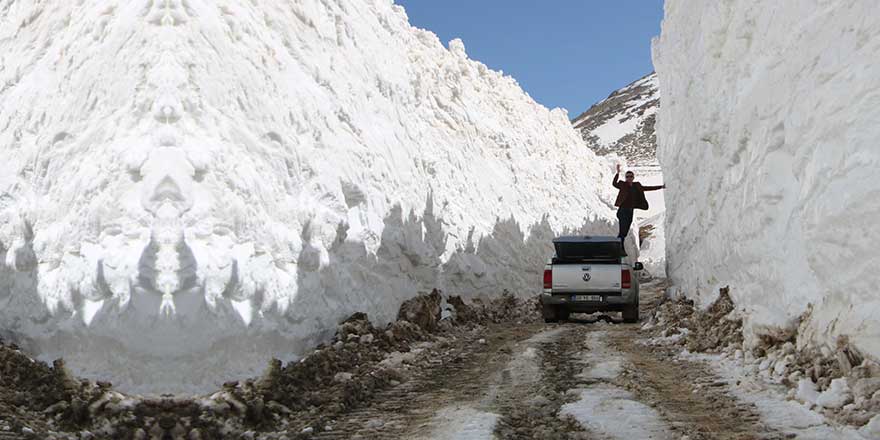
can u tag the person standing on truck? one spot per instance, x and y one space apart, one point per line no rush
630 196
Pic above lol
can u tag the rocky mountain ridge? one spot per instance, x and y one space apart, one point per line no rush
624 122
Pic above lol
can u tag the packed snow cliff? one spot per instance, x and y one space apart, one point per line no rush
190 188
768 137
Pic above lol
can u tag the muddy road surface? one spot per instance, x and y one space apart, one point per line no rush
590 378
492 371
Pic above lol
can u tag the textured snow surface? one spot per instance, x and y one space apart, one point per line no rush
192 187
462 423
615 413
768 140
652 250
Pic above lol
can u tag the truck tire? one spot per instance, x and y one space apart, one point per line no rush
631 313
562 314
550 313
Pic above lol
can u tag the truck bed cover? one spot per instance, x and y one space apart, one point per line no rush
586 247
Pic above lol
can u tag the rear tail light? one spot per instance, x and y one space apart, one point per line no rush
548 279
625 279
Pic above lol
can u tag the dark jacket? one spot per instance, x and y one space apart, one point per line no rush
632 196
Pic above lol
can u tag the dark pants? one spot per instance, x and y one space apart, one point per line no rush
625 215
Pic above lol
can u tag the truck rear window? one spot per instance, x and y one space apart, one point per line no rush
588 250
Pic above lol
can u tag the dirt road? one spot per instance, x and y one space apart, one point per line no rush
585 379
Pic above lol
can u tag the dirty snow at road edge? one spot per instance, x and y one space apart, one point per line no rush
777 410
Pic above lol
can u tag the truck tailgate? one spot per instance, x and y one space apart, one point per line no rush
586 277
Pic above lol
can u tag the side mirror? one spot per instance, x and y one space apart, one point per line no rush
638 266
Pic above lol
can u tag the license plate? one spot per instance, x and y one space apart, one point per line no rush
594 298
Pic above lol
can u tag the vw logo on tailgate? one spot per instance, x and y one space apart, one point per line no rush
587 277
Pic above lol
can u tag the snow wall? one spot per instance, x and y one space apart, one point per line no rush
768 137
191 187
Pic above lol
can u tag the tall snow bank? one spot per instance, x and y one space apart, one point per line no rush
769 144
190 187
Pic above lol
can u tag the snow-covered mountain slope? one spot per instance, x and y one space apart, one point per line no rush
768 138
624 122
192 187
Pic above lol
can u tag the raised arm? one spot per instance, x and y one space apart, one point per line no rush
616 182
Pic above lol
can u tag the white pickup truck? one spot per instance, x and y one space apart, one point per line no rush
587 275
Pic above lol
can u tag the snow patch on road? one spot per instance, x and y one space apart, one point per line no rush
608 369
614 413
602 407
546 336
525 367
603 362
462 423
471 423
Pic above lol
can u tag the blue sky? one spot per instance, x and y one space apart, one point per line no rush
564 53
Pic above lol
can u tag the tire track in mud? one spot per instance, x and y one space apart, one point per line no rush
689 398
530 410
602 407
520 401
510 387
409 409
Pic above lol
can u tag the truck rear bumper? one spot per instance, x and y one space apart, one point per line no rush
608 303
